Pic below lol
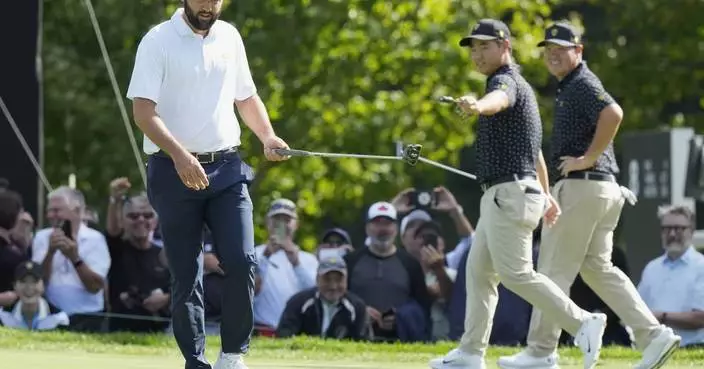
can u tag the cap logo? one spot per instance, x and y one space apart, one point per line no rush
29 266
576 39
383 208
554 32
501 33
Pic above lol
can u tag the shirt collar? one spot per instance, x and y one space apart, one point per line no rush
574 73
182 28
501 70
685 258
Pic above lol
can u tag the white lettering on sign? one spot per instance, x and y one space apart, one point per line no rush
634 177
650 186
665 179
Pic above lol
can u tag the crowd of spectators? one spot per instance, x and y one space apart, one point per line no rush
400 281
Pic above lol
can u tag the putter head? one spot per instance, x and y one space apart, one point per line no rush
411 153
447 100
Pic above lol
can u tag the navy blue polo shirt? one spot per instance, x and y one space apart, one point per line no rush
509 142
580 99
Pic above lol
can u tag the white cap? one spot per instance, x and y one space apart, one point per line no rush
381 209
282 206
414 215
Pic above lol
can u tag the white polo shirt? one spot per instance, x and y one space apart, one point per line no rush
65 289
194 81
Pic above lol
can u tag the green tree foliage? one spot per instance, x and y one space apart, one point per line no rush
354 76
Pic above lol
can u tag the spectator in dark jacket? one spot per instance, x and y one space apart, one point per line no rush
327 310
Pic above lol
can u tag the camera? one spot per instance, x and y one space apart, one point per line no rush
423 199
430 239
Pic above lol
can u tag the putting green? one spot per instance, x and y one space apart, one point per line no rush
26 359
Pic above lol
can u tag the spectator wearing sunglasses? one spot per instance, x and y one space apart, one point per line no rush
138 279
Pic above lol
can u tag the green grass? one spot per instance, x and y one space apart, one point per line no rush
59 350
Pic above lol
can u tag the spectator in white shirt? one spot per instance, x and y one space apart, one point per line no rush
283 268
672 285
75 265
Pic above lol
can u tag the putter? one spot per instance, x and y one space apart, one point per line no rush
399 147
410 154
447 100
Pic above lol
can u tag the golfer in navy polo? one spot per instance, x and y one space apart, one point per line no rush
189 74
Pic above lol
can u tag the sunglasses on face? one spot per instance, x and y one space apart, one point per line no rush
135 216
676 228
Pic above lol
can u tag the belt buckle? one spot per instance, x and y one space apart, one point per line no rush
206 158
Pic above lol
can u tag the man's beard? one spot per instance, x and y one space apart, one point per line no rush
676 248
196 22
382 241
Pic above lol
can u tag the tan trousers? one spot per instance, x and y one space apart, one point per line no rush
581 242
502 251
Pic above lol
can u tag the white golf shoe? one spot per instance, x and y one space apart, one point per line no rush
230 361
589 338
659 350
456 359
523 360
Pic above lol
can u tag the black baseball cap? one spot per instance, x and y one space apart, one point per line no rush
432 226
28 268
339 232
563 34
487 29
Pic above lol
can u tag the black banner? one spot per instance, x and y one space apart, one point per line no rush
645 169
20 89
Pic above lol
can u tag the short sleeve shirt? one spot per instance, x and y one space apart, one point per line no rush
509 141
580 99
194 81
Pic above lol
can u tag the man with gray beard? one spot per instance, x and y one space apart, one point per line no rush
673 284
389 280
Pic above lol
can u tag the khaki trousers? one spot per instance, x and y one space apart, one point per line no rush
581 242
502 251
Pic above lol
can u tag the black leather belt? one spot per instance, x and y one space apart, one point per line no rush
590 176
208 157
509 178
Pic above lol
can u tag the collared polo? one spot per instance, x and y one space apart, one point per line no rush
194 81
508 142
580 99
65 289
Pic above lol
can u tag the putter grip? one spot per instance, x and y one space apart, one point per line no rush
291 152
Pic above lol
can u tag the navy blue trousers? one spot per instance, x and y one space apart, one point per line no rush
226 208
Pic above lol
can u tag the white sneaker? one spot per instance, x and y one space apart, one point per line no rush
524 360
659 350
589 338
230 361
456 359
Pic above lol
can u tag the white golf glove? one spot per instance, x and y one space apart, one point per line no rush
629 195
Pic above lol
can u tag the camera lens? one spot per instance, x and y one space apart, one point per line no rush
424 198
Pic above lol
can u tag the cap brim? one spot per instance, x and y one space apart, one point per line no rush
556 42
326 271
467 41
381 216
282 211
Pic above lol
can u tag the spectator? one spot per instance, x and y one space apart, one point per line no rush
32 311
283 268
438 278
138 280
75 264
10 254
390 281
328 310
672 285
338 239
446 204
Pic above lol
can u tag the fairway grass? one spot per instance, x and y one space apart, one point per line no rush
28 350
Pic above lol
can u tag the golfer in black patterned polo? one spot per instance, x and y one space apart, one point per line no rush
583 161
513 175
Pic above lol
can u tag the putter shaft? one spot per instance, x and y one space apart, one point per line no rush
290 152
448 168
